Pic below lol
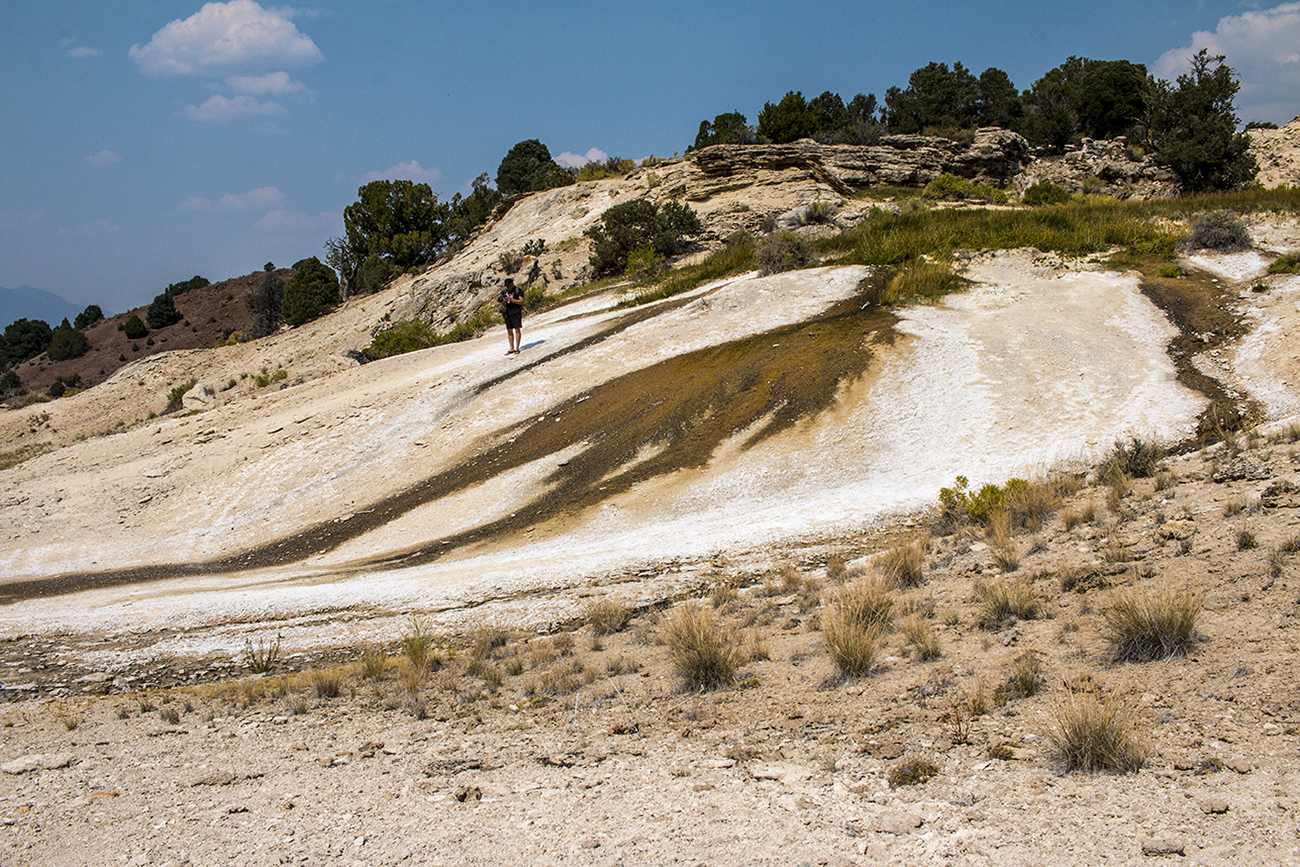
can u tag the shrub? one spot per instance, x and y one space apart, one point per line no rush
510 261
1221 231
10 381
134 328
1025 673
261 657
1158 623
911 772
639 225
645 264
405 335
705 655
327 682
782 251
866 600
176 396
947 186
1287 264
373 274
1133 458
1170 271
1092 735
1045 193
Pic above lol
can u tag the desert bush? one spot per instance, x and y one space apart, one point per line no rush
1045 193
910 772
704 654
999 601
177 395
1092 735
261 657
1170 271
265 378
405 335
645 264
782 251
1285 264
1153 623
607 616
1132 458
1246 539
1219 230
510 261
312 291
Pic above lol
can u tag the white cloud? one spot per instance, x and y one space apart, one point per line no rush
275 82
1264 48
574 161
84 51
282 222
223 36
411 171
217 109
104 158
264 197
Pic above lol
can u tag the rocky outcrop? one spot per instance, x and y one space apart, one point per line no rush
1278 153
994 156
1108 167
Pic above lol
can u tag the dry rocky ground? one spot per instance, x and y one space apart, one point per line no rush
575 748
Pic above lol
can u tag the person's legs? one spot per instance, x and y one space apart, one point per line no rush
515 335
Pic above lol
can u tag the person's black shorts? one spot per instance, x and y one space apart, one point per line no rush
514 318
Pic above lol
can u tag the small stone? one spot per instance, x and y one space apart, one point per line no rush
898 824
469 793
1163 846
1214 806
38 762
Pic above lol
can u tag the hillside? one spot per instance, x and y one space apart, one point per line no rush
753 445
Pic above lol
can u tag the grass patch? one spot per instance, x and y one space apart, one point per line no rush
606 616
704 654
921 637
1154 623
904 565
261 657
1001 601
1091 735
735 258
911 772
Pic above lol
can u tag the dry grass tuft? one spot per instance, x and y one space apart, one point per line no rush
1000 601
922 637
852 644
1092 735
374 662
867 601
1026 669
417 643
1156 623
904 565
607 616
700 649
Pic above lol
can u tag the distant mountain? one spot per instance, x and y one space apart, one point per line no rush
27 302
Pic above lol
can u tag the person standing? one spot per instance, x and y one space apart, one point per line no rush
512 308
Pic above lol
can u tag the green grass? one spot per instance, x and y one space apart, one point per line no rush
729 261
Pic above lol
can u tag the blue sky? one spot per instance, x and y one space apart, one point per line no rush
147 141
